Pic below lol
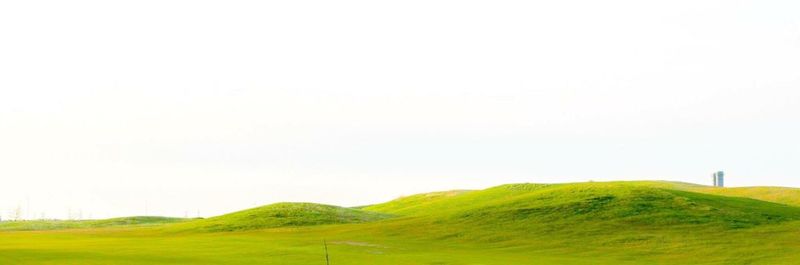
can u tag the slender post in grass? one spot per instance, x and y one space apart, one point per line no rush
327 260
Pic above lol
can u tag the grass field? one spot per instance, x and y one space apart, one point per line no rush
578 223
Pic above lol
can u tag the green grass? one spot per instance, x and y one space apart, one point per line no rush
35 225
282 215
789 196
575 223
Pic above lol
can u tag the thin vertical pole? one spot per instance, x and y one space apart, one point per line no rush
327 260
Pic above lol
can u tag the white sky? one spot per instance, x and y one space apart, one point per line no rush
116 108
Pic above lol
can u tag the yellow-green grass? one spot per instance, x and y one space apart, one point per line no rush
283 215
577 223
790 196
34 225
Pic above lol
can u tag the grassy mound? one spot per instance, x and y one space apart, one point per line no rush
285 215
620 204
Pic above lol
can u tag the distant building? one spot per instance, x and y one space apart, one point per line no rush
719 179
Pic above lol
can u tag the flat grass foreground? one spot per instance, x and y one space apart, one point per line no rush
577 223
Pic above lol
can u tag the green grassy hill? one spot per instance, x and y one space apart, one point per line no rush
647 222
606 212
283 215
628 203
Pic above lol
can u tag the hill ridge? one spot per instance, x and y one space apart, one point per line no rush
283 214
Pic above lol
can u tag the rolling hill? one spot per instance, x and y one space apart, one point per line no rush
284 215
642 222
630 203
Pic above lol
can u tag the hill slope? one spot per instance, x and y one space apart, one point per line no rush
646 204
410 204
574 223
783 195
284 215
650 222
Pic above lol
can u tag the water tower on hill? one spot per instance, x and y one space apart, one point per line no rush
719 179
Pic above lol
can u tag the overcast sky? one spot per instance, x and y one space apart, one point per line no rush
115 108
